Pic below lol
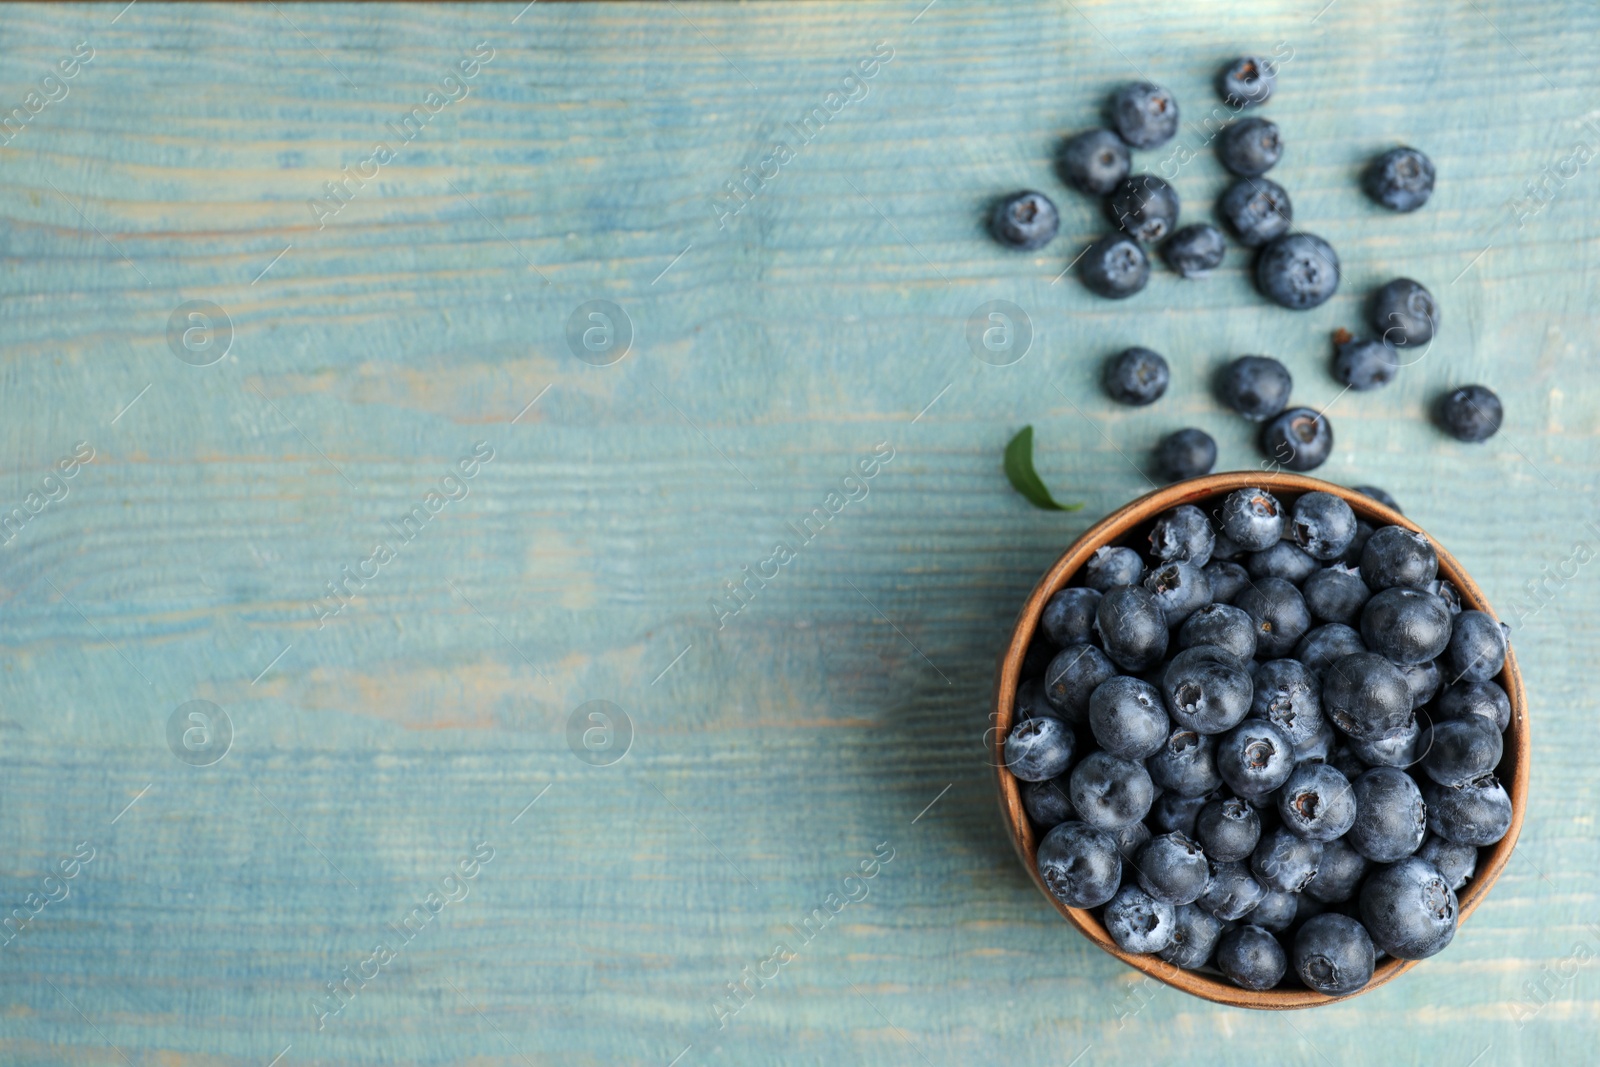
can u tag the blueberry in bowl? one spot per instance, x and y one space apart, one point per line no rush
1286 757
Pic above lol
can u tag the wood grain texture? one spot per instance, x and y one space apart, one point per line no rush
372 754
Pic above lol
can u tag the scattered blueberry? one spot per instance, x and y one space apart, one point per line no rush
1111 566
1401 179
1471 413
1186 453
1145 207
1249 147
1333 954
1038 749
1136 376
1251 957
1257 387
1257 210
1094 161
1297 270
1397 748
1145 115
1026 220
1409 909
1079 865
1174 814
1195 251
1364 364
1380 496
1477 649
1115 267
1391 818
1300 439
1404 313
1247 81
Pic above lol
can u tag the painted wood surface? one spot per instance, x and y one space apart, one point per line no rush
417 323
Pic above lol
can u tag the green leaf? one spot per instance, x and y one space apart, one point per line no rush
1024 479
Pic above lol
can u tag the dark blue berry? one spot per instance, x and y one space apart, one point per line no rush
1251 957
1172 869
1223 625
1320 747
1127 717
1130 839
1445 592
1136 376
1026 220
1326 645
1397 748
1285 560
1352 555
1456 863
1145 115
1132 627
1423 679
1071 679
1080 865
1224 547
1322 524
1111 566
1195 251
1186 453
1365 695
1364 364
1194 938
1207 690
1145 207
1253 518
1333 954
1317 802
1289 696
1174 814
1115 267
1180 588
1476 698
1406 625
1247 81
1277 911
1284 861
1300 439
1477 812
1401 179
1257 210
1380 495
1108 792
1048 803
1255 758
1409 909
1228 829
1094 161
1185 765
1232 892
1137 922
1391 818
1297 270
1031 702
1335 594
1404 313
1280 615
1339 873
1182 533
1477 649
1471 413
1069 615
1456 751
1227 580
1249 147
1037 749
1257 387
1395 556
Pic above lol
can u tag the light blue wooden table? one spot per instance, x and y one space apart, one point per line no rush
419 769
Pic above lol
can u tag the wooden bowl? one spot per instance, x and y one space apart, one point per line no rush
1132 521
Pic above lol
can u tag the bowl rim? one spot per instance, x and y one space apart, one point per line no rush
1516 760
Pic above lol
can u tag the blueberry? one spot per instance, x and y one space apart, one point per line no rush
1249 147
1471 413
1180 588
1115 267
1194 938
1317 802
1406 625
1456 751
1280 615
1476 698
1364 364
1174 814
1183 533
1404 313
1391 818
1145 207
1111 566
1232 892
1127 717
1080 865
1145 115
1223 625
1047 803
1381 496
1195 251
1137 922
1409 909
1136 376
1446 592
1423 680
1326 645
1285 560
1300 439
1069 615
1257 387
1247 81
1397 748
1224 547
1186 764
1339 873
1352 555
1333 954
1365 695
1456 863
1297 270
1026 220
1276 911
1037 749
1401 179
1320 748
1227 580
1130 839
1477 649
1041 650
1253 518
1071 679
1257 210
1031 702
1477 812
1207 690
1228 829
1322 524
1289 696
1284 861
1346 762
1132 627
1108 792
1255 758
1251 957
1094 161
1396 556
1172 869
1186 453
1335 594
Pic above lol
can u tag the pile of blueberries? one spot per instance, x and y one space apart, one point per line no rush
1295 270
1267 748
